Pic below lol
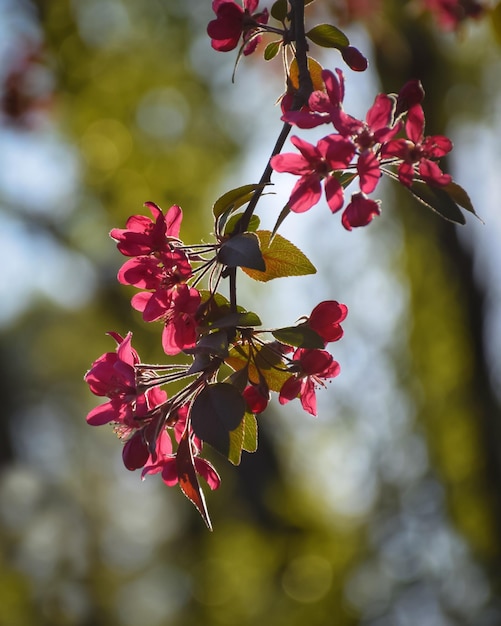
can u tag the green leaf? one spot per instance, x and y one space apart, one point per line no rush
242 251
216 411
301 336
283 214
279 10
328 36
250 433
244 437
271 50
248 318
281 257
233 199
236 442
188 480
234 219
438 200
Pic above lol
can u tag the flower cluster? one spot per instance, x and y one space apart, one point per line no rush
164 431
227 366
360 149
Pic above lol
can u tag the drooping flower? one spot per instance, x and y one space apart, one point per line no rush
315 164
311 367
326 318
360 211
419 153
233 22
163 462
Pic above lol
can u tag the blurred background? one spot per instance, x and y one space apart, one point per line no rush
383 511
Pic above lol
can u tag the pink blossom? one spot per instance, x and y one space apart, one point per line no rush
311 367
326 318
315 164
419 152
160 271
113 375
143 236
163 461
177 308
233 22
360 211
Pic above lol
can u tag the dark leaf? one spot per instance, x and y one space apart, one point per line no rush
216 411
279 10
438 200
248 318
459 195
301 336
242 251
214 343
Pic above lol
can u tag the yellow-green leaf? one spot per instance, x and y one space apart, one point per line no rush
281 257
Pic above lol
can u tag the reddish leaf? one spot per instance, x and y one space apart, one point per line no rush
188 480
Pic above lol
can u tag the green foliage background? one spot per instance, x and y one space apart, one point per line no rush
139 100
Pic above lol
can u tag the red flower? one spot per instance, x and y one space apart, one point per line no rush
360 212
164 461
233 22
256 397
326 318
177 308
419 151
159 271
143 236
323 107
312 367
113 375
314 164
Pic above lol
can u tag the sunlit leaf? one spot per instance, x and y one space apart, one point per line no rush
315 70
266 362
328 36
188 480
215 412
249 443
242 251
282 258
